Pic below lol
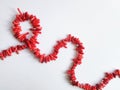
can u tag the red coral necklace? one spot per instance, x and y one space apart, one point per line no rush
31 44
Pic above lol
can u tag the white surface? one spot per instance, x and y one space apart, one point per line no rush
95 22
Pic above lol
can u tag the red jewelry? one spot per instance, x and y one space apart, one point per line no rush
31 44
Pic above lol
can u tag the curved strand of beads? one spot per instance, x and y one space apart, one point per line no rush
30 43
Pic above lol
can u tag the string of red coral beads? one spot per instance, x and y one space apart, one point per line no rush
31 44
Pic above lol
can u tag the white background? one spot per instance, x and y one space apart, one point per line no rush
95 22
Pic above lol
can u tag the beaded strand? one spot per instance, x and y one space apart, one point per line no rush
43 58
